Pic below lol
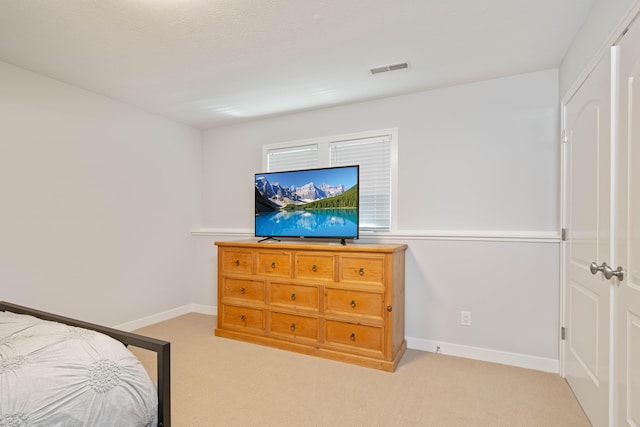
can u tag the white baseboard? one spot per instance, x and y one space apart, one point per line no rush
204 309
486 355
166 315
476 353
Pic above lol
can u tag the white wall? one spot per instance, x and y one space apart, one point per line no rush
598 32
474 160
490 146
97 202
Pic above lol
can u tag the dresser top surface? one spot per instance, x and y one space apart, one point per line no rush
315 246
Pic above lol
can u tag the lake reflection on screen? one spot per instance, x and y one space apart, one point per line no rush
308 223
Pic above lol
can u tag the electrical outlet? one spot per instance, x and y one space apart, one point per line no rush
465 318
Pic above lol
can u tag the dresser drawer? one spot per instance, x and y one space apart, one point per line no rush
369 270
242 318
236 261
243 289
314 266
353 335
294 296
274 263
342 301
294 326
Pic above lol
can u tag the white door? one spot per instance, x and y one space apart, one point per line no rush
586 299
627 234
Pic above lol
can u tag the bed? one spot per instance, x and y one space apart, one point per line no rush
56 370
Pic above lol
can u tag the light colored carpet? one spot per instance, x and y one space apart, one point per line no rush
222 382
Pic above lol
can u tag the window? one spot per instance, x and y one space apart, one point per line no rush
375 152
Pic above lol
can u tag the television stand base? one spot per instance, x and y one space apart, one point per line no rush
269 238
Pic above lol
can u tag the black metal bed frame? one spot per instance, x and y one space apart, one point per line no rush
160 347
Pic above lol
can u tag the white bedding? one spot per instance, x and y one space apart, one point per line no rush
58 375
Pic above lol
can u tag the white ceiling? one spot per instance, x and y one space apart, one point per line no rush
209 63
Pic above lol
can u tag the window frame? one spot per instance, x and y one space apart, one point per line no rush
323 144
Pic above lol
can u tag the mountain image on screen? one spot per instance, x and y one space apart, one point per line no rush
273 196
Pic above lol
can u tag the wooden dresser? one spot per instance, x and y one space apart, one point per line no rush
339 302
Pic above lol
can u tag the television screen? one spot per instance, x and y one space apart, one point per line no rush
310 203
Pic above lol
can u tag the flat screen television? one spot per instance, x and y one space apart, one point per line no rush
309 203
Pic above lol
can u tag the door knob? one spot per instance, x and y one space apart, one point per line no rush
610 272
594 267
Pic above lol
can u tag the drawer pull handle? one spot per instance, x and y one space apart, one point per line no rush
237 262
353 304
243 290
292 327
314 268
293 297
242 318
273 264
352 337
361 271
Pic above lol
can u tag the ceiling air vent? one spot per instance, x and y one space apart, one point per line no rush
385 68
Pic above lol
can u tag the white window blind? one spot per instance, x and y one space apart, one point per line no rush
373 155
374 152
290 158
